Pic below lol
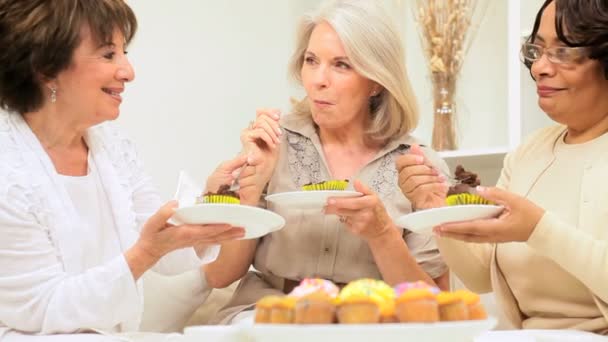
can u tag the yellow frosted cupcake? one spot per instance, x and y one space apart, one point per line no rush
365 301
473 303
452 307
263 308
327 185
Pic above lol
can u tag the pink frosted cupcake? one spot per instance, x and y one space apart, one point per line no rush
316 301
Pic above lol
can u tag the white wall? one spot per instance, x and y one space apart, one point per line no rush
202 68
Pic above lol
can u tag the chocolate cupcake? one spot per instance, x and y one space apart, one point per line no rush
464 192
223 195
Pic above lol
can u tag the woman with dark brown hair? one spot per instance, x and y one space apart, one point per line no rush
79 219
546 255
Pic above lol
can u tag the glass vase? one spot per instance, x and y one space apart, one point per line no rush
444 109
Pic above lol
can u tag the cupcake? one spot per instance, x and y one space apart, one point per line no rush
463 192
223 195
416 302
365 301
315 301
327 185
282 311
263 308
315 308
473 303
417 305
452 307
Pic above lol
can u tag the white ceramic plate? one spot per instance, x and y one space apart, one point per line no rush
308 199
443 331
256 221
423 221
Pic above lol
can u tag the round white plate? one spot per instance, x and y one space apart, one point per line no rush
256 221
423 221
442 331
308 199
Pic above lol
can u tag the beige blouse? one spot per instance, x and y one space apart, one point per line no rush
316 245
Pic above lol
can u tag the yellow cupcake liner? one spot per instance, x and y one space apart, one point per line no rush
327 185
222 199
464 199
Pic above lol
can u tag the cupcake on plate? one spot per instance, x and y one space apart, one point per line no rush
452 307
473 303
223 195
463 192
416 302
365 301
315 302
326 185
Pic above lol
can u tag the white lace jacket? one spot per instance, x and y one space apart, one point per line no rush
43 286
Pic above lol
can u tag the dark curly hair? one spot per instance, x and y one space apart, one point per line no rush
579 23
38 39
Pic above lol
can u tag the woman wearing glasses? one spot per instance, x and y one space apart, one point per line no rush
546 256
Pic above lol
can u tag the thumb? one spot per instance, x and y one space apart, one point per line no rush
163 214
362 188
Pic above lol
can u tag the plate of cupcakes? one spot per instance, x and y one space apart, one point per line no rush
369 309
462 204
313 195
224 207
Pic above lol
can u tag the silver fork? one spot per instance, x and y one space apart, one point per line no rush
235 183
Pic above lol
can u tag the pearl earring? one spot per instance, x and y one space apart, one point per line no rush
53 94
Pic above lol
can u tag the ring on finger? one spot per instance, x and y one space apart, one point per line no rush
251 125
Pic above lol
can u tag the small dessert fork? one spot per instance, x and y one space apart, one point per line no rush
235 183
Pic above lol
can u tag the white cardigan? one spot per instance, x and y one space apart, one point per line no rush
43 286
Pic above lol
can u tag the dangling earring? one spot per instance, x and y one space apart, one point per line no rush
53 94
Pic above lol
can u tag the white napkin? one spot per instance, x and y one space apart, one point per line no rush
187 190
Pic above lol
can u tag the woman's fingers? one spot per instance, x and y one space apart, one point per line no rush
258 134
413 183
270 112
269 128
158 221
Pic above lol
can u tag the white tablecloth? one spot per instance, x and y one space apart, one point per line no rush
236 334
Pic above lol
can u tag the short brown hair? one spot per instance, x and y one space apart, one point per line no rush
579 23
38 39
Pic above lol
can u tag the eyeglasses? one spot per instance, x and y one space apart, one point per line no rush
530 53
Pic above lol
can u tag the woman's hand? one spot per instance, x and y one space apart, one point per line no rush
158 238
364 216
515 223
226 172
261 143
423 185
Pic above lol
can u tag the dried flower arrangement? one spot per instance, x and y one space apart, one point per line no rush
446 31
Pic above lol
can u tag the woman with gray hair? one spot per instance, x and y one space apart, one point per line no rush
353 123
